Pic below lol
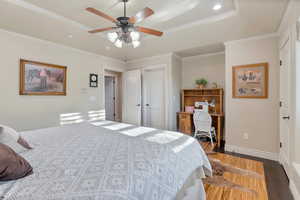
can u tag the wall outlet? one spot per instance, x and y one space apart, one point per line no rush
246 136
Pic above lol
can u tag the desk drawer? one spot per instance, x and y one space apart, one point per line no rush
185 123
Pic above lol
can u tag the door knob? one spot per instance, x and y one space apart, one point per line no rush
138 105
147 104
287 117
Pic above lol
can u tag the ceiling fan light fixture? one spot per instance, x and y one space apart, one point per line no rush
113 36
136 44
217 6
124 32
135 36
119 43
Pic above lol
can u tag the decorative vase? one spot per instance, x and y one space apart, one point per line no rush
200 86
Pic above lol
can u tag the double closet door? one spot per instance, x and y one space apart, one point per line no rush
144 97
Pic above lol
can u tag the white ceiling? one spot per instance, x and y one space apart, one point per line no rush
189 25
203 50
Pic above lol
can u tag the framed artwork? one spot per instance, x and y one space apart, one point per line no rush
38 78
250 81
93 80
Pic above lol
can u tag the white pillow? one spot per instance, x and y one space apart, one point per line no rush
10 137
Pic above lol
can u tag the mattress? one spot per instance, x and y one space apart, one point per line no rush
109 161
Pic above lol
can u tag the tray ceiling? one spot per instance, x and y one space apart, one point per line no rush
168 13
188 24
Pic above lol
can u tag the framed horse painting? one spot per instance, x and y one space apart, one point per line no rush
38 78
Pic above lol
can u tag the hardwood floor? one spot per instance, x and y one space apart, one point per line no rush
274 186
276 179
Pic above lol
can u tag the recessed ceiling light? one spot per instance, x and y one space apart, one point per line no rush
217 6
70 36
107 48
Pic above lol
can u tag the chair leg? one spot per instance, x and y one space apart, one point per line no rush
211 139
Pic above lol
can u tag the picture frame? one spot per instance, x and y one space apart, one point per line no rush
94 80
250 81
37 78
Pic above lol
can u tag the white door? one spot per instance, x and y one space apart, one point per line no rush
154 98
132 97
284 104
110 98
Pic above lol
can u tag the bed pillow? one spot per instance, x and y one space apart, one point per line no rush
12 165
13 139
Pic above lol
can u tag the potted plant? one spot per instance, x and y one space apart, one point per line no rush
201 83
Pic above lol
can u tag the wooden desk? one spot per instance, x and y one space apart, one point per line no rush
186 124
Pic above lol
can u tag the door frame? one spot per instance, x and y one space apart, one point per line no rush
114 78
164 67
286 40
118 90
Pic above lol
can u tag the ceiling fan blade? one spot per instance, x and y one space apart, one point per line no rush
149 31
101 14
140 16
101 29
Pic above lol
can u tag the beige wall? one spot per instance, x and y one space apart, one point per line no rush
211 67
257 117
33 112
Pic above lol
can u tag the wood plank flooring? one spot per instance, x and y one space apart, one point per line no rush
276 182
276 179
225 193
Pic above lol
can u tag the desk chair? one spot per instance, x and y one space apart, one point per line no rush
203 125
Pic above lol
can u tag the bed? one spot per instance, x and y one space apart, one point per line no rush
110 161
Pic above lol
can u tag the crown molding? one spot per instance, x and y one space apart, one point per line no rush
284 16
205 55
215 18
176 56
260 37
52 15
46 12
168 55
208 20
105 58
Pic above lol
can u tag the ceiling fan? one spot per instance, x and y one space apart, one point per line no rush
125 31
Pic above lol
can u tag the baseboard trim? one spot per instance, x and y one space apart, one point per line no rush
252 152
294 190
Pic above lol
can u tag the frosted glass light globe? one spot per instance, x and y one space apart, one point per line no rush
136 44
119 43
112 36
135 36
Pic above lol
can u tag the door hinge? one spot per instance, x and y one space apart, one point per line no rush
280 62
114 114
114 98
280 144
280 104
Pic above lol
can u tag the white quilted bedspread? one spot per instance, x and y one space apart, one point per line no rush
106 161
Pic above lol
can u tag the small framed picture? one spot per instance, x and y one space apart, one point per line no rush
93 80
250 81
